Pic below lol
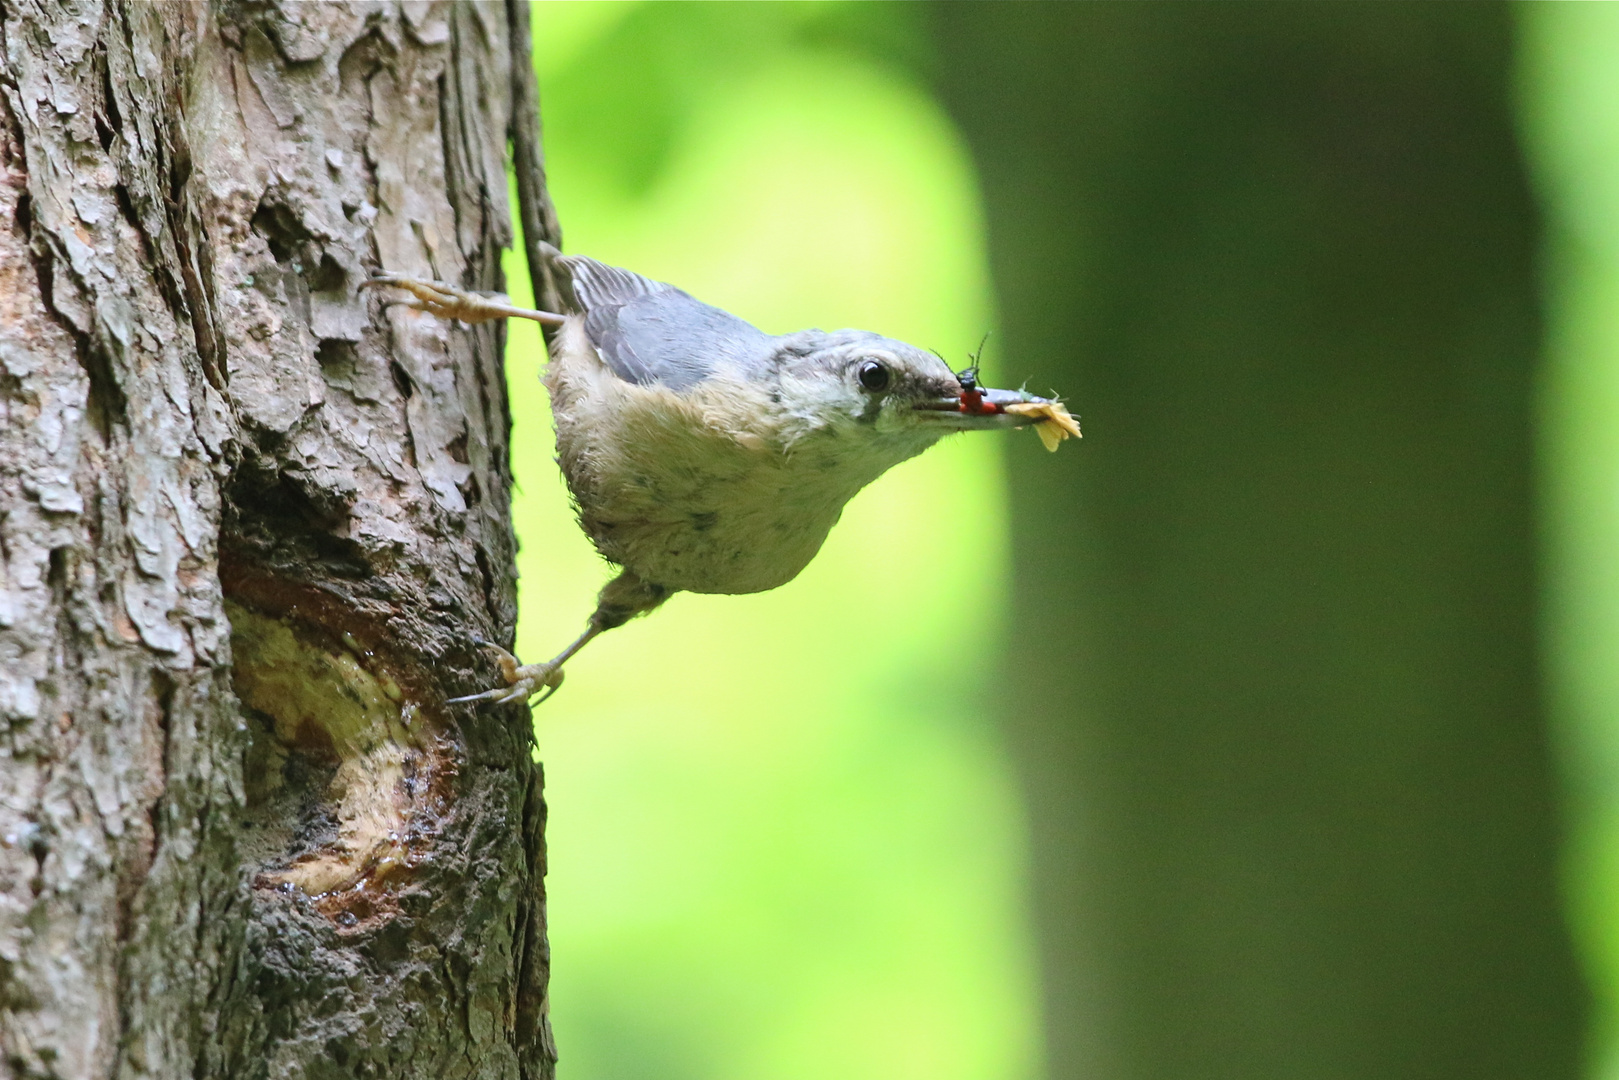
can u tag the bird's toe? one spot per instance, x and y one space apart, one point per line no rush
522 681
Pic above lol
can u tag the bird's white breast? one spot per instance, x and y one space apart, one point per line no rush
714 490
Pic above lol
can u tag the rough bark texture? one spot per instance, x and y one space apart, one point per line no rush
251 523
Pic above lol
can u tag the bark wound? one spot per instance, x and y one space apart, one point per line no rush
349 765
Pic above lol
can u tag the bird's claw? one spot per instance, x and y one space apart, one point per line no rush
522 680
441 299
450 302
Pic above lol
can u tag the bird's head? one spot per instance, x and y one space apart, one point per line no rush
864 385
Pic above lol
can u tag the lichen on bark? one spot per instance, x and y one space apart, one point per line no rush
226 475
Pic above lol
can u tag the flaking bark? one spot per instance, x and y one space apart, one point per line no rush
251 523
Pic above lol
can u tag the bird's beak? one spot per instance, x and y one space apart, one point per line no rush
981 410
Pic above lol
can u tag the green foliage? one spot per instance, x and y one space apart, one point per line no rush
784 837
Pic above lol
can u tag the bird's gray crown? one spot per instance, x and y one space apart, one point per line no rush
914 372
649 332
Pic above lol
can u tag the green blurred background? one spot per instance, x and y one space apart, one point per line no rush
784 838
1272 731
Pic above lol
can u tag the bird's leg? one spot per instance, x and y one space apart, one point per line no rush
621 600
449 302
525 680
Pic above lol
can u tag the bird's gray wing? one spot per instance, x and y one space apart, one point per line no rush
597 285
650 332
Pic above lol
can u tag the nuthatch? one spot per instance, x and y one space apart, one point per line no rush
708 456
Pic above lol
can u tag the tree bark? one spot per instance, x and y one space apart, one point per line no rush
1291 807
252 524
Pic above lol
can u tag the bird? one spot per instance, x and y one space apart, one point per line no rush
704 455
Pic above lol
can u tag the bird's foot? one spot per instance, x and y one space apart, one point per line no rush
522 680
449 302
441 299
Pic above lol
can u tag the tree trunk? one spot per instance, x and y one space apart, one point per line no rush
253 523
1291 808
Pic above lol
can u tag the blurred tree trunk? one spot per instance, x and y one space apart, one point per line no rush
250 523
1283 739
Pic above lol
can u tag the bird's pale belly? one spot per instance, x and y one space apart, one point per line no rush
696 491
743 521
710 552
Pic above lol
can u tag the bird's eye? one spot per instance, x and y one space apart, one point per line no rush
874 376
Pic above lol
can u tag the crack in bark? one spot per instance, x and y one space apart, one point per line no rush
109 405
191 298
532 1029
136 864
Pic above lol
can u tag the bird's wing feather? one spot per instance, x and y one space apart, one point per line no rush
649 332
596 284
